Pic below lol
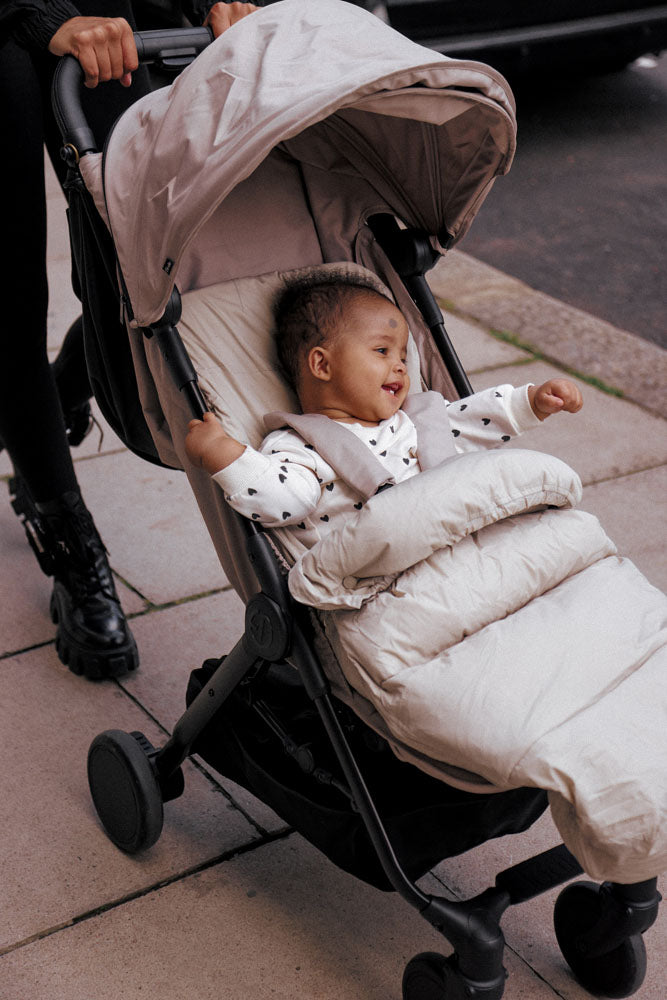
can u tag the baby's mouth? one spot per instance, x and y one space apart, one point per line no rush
392 388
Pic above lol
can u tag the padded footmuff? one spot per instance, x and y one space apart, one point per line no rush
498 632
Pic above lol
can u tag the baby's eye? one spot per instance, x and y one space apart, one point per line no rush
381 350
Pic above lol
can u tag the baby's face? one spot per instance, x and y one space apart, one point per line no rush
368 378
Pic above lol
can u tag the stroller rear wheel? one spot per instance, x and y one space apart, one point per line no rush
430 976
125 790
616 973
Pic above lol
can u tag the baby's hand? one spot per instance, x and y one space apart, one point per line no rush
555 395
209 446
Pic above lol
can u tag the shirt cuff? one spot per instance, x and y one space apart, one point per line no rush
521 411
38 28
242 472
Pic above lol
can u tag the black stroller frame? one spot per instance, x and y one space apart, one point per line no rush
599 928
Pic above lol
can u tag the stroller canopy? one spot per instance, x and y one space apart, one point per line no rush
404 129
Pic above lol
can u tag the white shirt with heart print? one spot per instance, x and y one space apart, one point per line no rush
287 484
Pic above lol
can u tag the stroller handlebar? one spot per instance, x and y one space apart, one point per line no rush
169 48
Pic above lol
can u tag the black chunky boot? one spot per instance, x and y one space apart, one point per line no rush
93 637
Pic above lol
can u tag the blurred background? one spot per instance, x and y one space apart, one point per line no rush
582 214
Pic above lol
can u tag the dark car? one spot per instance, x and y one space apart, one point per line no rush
519 36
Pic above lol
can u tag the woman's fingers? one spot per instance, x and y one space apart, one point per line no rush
103 45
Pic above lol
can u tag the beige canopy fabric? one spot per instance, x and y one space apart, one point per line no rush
374 122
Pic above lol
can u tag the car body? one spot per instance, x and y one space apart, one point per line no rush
518 36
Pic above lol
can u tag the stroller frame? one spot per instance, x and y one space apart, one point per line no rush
599 928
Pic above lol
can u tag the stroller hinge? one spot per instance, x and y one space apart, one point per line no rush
267 631
473 927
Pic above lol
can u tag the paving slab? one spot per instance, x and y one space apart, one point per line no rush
5 465
176 640
173 642
101 440
152 527
633 511
528 928
609 437
57 861
562 333
58 240
279 921
24 590
477 349
64 307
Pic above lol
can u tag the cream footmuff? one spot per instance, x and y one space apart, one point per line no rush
381 699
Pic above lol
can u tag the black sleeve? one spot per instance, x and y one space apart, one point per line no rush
33 23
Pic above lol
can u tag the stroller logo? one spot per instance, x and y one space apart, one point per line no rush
261 628
267 632
168 265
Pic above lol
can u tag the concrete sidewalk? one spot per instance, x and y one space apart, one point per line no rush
230 904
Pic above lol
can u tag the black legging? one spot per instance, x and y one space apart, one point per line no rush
31 420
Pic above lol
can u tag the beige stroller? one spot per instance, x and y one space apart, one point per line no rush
313 135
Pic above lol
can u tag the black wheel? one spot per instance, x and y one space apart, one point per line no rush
125 791
424 977
618 973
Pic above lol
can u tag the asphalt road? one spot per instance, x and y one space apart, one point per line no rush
582 214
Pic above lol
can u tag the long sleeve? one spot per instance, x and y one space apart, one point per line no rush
33 23
491 417
279 485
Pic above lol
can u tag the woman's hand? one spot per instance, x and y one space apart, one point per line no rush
223 15
103 45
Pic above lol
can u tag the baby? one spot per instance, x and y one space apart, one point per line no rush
343 347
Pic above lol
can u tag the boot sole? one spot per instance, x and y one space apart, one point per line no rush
83 662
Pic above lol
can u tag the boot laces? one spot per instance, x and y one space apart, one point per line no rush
81 555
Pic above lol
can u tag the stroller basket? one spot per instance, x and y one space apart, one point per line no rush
264 715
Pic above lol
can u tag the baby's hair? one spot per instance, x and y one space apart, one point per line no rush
308 312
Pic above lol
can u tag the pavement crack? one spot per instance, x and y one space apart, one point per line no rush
618 476
149 890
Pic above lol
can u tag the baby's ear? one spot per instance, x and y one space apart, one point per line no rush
318 363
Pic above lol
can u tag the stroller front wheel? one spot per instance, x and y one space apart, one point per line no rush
615 973
125 790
